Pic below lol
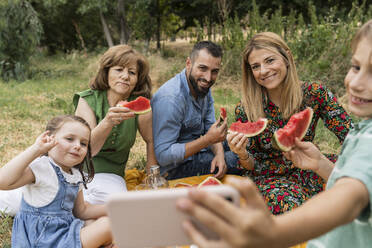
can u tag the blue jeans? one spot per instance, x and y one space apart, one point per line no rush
201 164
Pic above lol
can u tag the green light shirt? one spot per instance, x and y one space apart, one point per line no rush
355 161
114 154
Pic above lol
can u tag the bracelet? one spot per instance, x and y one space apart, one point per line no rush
245 159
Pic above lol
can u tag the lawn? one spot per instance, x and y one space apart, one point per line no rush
26 107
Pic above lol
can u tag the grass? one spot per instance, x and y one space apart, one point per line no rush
26 107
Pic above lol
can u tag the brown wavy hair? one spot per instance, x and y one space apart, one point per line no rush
55 124
254 94
123 55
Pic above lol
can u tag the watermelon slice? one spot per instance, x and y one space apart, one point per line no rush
250 129
209 181
139 106
284 138
182 185
223 114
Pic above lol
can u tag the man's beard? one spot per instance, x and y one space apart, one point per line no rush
199 91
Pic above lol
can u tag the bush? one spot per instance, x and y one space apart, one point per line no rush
19 36
321 48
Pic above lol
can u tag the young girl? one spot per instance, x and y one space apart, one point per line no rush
342 213
53 207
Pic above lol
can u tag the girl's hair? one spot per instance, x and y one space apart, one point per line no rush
364 32
254 94
123 55
55 124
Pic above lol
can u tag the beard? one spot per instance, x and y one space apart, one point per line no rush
199 91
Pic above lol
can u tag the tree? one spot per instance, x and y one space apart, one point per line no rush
65 28
100 6
124 29
20 34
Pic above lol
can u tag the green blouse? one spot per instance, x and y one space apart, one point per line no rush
114 154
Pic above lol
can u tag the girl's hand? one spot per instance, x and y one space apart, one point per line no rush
116 115
305 155
238 144
45 142
251 225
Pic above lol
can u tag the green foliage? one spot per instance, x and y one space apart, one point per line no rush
62 20
19 36
321 47
233 41
142 13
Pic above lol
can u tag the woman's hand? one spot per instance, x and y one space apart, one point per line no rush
251 225
238 144
116 115
305 155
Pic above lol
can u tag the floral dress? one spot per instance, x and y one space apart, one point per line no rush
284 186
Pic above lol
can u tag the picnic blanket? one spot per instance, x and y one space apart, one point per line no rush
134 177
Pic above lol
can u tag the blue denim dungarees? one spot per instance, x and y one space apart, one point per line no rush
53 225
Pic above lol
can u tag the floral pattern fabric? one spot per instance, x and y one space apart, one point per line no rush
282 185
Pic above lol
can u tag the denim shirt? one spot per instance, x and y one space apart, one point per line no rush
178 118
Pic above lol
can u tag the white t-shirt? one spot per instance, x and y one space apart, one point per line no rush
46 186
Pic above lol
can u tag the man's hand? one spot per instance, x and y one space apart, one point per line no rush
217 132
219 162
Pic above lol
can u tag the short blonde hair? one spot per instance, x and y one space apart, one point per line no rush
254 94
123 55
364 32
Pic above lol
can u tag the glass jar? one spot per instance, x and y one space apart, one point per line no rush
155 180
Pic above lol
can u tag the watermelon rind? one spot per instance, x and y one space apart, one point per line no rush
142 112
252 134
138 100
210 178
181 184
276 139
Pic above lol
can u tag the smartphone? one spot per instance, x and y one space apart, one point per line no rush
149 218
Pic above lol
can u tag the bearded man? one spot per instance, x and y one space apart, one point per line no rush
188 140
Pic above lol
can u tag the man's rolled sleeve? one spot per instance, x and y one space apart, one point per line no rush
166 129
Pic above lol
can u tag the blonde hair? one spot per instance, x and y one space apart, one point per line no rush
254 94
365 32
123 55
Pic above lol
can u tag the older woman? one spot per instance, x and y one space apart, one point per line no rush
123 75
271 89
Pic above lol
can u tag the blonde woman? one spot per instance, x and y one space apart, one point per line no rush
272 89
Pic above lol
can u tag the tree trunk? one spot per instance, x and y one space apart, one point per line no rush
158 23
80 36
124 29
106 30
224 7
210 28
